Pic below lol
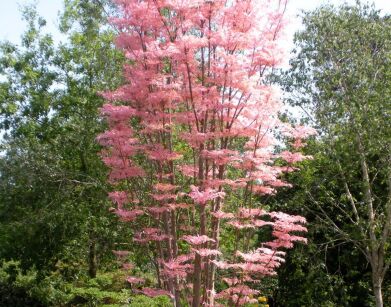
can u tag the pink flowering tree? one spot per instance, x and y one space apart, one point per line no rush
192 129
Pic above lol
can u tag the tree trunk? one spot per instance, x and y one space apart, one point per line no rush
375 244
92 265
198 264
377 291
197 282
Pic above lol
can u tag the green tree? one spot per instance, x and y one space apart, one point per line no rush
53 203
341 75
89 64
330 270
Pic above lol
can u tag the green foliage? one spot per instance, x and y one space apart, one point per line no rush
340 77
328 271
53 205
29 76
141 301
25 289
54 214
108 289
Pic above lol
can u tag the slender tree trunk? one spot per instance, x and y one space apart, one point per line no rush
92 264
211 274
377 291
375 244
197 279
212 268
171 282
175 254
92 257
198 265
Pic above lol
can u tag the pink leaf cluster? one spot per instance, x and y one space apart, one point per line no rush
202 197
195 107
197 240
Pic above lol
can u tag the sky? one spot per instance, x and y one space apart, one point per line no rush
11 25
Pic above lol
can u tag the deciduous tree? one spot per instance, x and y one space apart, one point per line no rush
194 124
341 75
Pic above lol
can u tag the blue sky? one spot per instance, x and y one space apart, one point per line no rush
11 25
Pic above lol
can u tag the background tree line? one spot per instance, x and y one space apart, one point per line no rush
57 231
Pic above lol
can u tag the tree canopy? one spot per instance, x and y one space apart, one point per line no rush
180 102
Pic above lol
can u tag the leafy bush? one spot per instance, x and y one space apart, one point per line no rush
142 300
18 288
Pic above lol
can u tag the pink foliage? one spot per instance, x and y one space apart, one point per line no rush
177 268
128 215
119 197
197 240
222 215
134 280
293 157
165 187
195 114
206 252
202 197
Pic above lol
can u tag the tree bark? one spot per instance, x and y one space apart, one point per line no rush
375 247
197 279
198 264
377 291
92 264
